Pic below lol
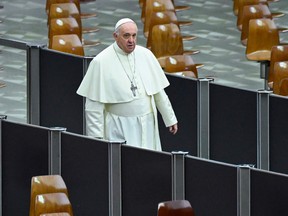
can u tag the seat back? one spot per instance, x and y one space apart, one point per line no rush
175 207
62 26
280 84
166 40
64 10
278 53
56 214
68 44
252 12
159 18
238 4
45 184
50 2
52 203
262 36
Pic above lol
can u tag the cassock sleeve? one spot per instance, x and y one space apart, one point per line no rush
94 111
164 106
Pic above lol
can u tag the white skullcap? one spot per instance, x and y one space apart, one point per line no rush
123 21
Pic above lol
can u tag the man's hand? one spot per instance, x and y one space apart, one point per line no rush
173 129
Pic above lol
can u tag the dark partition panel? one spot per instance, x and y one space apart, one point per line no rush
278 134
85 171
59 79
146 180
211 188
233 125
183 96
269 193
24 154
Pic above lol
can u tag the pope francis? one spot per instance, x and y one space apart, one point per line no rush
124 88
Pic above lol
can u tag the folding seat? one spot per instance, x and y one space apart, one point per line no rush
69 43
69 25
56 214
64 10
280 84
237 4
163 17
52 203
175 207
166 40
45 184
76 2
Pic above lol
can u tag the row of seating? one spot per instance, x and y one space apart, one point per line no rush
49 197
261 37
162 29
65 30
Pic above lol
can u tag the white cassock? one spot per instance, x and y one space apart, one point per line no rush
115 112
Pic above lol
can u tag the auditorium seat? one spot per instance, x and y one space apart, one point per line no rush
278 53
52 203
56 214
166 40
156 6
175 207
45 184
163 17
76 2
237 4
63 10
69 25
262 36
69 43
280 84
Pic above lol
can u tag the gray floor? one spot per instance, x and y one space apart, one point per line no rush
213 23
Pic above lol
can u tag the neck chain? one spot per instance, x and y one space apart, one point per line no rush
133 87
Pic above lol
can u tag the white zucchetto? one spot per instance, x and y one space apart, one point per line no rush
123 21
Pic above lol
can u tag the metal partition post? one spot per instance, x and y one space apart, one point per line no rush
54 149
33 84
2 117
263 129
243 190
264 68
115 198
178 175
203 119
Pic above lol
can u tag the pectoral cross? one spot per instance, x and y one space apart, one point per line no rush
133 89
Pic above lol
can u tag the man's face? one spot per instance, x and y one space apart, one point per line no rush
127 37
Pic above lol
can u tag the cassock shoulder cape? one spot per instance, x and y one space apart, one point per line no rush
106 81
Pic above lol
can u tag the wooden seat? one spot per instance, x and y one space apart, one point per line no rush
64 10
163 17
181 64
68 44
278 53
152 6
177 7
76 2
167 41
175 207
262 36
238 4
52 203
252 12
280 86
45 184
69 25
56 214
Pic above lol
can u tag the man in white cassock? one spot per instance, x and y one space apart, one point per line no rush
124 87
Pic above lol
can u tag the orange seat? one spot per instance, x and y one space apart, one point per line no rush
52 203
76 2
56 214
238 4
64 10
167 41
152 6
280 85
163 17
175 207
69 25
69 43
278 53
45 184
252 12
